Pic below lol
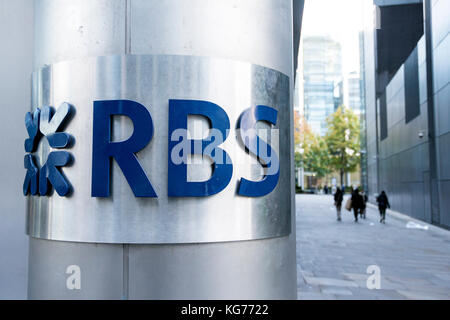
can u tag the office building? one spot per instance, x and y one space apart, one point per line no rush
322 74
407 103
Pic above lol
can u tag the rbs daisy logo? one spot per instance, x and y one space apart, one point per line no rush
47 124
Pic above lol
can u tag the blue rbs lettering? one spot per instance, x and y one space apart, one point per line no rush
179 110
50 124
255 145
104 150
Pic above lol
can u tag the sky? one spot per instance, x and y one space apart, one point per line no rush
340 19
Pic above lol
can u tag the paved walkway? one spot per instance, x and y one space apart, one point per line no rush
333 257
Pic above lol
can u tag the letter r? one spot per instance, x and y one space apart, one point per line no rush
103 149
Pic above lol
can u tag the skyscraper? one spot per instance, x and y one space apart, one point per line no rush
322 73
353 95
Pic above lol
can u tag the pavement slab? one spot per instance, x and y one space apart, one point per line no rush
334 258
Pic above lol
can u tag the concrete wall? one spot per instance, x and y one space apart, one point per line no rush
16 34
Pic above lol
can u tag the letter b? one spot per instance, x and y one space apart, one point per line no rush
178 186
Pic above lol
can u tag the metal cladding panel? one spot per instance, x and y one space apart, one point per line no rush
444 151
72 29
394 2
255 31
412 89
151 81
445 202
442 103
260 270
440 21
383 118
100 270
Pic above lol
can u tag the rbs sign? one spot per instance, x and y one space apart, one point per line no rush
158 149
50 124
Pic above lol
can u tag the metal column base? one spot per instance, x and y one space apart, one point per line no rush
261 269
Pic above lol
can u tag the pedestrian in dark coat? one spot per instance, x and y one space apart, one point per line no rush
383 204
338 198
357 203
364 204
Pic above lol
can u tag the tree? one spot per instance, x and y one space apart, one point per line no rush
311 149
343 141
298 128
317 158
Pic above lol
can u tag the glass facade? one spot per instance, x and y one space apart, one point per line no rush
354 93
322 72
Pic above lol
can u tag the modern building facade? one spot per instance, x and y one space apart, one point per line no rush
407 103
353 94
362 72
322 77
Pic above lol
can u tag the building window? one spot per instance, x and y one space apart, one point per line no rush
383 117
412 95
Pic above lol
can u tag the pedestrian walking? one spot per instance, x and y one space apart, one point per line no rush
383 204
357 203
338 198
325 189
364 204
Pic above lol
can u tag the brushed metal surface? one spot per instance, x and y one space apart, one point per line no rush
252 270
256 31
100 270
152 80
71 29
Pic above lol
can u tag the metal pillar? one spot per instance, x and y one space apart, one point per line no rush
16 32
253 31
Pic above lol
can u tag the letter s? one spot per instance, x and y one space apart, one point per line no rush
255 145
